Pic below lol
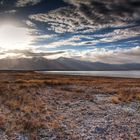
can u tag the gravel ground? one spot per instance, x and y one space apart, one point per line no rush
74 109
96 119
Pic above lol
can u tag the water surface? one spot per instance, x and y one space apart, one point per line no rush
127 74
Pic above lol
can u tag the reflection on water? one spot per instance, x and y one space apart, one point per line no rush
129 74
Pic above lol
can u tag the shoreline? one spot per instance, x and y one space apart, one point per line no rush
80 73
92 74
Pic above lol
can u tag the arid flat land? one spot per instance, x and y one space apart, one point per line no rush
35 106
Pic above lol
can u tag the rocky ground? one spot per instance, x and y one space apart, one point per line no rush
36 106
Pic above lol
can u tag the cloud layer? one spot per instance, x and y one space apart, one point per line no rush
23 3
118 56
91 14
95 30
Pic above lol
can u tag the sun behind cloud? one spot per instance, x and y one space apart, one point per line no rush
14 37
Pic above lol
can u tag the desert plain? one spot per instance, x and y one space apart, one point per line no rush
38 106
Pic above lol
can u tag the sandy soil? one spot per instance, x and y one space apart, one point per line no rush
36 106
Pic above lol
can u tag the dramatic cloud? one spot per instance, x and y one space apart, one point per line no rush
108 11
22 3
91 14
117 56
10 11
95 30
27 53
119 34
62 20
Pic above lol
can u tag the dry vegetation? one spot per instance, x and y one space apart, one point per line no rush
29 101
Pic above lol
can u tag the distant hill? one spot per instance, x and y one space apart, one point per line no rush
60 64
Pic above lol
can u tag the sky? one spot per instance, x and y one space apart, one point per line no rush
91 30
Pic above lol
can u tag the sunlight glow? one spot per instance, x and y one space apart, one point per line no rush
14 37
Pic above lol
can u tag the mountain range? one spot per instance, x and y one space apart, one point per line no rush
62 64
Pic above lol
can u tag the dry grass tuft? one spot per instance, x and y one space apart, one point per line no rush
23 107
127 95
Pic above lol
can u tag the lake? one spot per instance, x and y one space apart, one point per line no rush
126 74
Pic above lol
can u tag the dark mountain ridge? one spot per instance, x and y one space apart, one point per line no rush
62 64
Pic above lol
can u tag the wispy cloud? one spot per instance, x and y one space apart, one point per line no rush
117 56
28 53
108 11
23 3
91 14
10 11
